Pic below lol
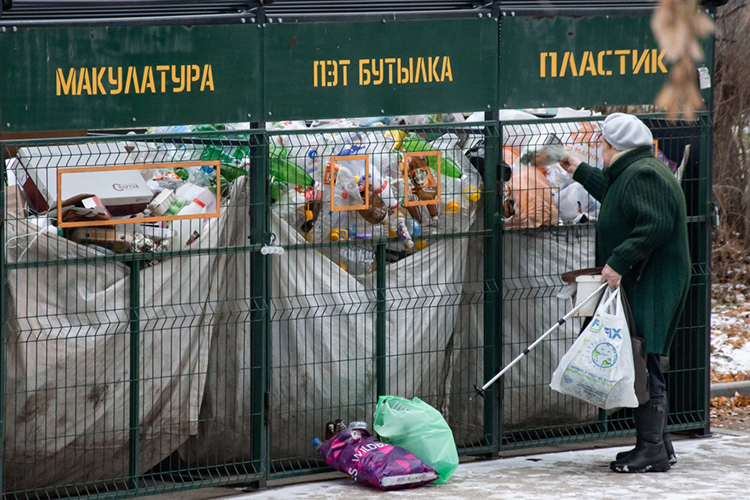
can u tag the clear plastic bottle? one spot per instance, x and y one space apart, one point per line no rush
398 228
356 261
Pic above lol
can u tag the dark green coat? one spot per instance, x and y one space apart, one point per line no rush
642 230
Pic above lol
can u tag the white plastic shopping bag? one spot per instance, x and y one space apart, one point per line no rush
598 368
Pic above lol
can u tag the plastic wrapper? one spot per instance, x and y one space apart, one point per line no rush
535 205
366 460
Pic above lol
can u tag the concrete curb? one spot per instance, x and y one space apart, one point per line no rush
728 389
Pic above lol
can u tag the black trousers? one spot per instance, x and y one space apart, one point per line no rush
657 384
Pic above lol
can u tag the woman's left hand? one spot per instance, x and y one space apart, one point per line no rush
611 276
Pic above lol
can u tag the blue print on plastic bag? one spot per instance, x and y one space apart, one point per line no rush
604 355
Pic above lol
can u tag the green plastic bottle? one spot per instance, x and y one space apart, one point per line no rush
414 143
230 166
288 171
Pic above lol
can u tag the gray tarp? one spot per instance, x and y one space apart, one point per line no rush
68 352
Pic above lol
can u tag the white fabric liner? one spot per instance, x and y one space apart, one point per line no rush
69 347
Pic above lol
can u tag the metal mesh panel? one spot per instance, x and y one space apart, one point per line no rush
358 307
535 257
85 412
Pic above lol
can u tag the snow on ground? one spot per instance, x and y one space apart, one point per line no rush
730 349
714 468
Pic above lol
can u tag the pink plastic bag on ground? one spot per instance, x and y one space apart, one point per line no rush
366 460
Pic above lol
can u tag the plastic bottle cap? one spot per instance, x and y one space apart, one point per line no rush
452 207
472 193
420 244
334 235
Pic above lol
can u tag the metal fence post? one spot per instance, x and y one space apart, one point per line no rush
135 371
260 293
493 288
3 320
706 167
380 319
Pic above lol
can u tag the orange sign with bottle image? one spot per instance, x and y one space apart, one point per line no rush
419 181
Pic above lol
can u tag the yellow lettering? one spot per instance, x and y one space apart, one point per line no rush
412 78
447 72
569 59
84 75
344 69
148 80
600 63
208 78
376 74
609 53
653 60
132 76
66 85
334 72
420 65
163 70
364 73
180 79
623 54
643 61
113 81
194 74
433 68
587 64
96 81
390 62
403 73
542 65
660 63
553 60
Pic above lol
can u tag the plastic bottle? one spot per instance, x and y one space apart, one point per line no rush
398 228
358 424
189 230
231 168
448 167
414 228
313 207
421 184
339 230
382 188
317 443
347 187
356 261
287 170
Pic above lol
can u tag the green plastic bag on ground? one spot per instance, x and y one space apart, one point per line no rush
421 429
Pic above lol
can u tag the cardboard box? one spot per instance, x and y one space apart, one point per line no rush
104 237
123 192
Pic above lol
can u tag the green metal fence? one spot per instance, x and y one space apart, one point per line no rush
292 307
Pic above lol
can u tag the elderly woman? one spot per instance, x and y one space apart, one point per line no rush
642 244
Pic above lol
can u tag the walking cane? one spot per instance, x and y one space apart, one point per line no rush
526 351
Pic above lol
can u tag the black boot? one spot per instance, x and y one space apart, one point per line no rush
650 454
664 436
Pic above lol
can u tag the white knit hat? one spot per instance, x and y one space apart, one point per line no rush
625 132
